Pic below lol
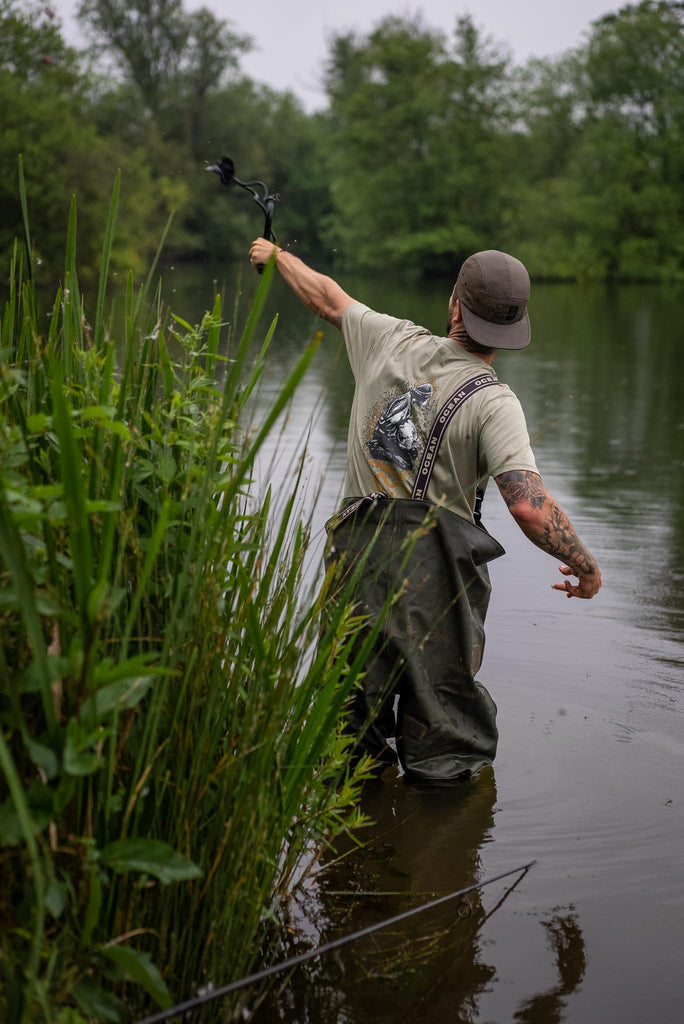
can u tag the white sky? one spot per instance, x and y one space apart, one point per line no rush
291 37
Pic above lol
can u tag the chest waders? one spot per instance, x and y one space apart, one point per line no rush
422 571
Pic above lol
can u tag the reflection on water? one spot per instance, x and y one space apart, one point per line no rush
591 756
423 844
564 937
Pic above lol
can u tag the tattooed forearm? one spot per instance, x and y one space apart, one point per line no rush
521 485
542 520
559 539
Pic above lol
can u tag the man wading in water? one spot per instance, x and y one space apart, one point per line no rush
430 423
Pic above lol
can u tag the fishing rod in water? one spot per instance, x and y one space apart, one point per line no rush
225 169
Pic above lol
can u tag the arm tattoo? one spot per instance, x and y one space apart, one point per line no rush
522 485
561 541
552 531
334 319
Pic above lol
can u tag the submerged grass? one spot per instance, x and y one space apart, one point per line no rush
171 750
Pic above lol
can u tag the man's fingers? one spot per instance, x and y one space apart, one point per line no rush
254 250
261 248
587 586
257 257
571 589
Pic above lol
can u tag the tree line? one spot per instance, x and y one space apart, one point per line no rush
433 143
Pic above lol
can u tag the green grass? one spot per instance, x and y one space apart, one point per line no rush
170 702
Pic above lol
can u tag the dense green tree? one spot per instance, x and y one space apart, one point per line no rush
476 142
548 117
382 92
634 84
599 164
45 116
182 87
174 57
634 66
439 147
270 138
544 218
416 127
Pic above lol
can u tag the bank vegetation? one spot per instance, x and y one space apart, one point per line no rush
171 694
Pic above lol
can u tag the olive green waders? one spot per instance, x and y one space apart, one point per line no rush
422 570
426 571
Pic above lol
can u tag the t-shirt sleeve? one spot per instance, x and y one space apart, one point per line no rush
363 331
504 440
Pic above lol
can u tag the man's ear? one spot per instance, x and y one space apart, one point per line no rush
454 315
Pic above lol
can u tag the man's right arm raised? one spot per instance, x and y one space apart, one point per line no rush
319 293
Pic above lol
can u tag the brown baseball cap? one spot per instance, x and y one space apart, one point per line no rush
494 289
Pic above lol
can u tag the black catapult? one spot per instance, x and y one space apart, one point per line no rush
225 169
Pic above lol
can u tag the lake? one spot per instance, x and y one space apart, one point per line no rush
588 780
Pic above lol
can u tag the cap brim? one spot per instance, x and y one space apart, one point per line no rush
497 335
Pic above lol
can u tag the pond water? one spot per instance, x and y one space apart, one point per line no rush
588 780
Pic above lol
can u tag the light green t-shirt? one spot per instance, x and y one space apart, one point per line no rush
404 375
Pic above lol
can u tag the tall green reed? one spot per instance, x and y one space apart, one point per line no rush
172 698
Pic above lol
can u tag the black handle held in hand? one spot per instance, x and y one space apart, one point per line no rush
225 169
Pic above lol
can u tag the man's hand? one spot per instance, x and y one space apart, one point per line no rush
588 585
261 251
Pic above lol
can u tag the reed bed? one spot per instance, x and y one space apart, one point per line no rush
171 700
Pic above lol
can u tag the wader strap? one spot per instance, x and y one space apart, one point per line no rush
477 511
439 427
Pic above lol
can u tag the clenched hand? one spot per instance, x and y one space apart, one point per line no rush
261 251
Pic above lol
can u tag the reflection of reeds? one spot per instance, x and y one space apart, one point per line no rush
170 745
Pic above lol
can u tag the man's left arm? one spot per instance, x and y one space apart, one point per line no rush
319 293
545 523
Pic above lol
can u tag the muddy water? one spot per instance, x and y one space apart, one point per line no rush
589 777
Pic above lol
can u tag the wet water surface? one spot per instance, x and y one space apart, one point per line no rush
588 780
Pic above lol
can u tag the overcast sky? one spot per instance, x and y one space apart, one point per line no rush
291 37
